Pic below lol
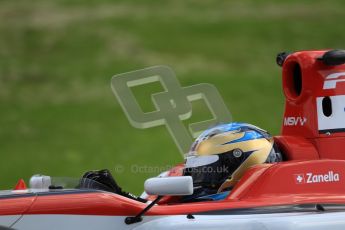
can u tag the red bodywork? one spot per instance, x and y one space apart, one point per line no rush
314 74
313 173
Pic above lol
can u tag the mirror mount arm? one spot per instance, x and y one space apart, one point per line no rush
138 217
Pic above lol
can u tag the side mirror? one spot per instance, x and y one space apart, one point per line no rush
40 182
170 186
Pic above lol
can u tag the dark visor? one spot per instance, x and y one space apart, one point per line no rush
214 174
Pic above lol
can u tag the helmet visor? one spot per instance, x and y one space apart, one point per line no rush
207 171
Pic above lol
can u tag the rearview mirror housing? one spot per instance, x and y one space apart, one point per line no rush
169 186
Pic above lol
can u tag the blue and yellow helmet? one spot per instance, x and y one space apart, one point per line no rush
220 155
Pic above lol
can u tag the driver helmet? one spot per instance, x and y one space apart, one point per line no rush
219 157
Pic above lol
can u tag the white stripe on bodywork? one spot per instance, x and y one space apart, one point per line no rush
8 220
281 221
74 222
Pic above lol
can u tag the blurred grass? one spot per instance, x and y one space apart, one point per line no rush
57 113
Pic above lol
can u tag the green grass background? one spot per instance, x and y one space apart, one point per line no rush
58 115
